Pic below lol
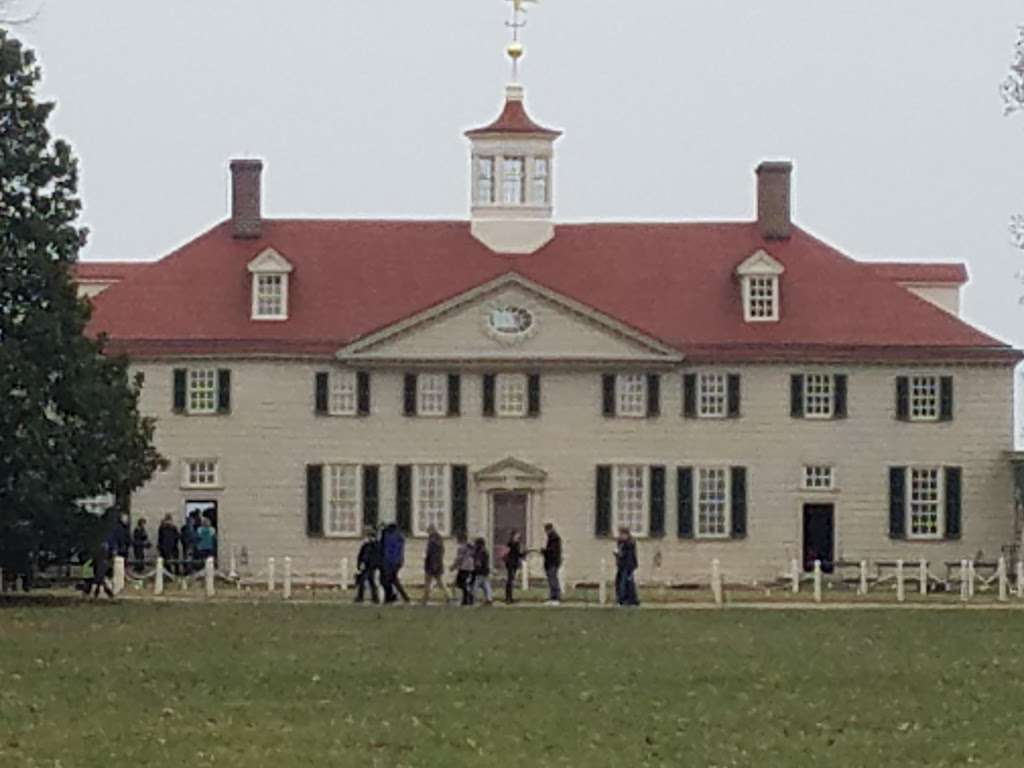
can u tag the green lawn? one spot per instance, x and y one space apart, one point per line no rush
134 684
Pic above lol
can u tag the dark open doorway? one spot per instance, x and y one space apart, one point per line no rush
509 515
819 536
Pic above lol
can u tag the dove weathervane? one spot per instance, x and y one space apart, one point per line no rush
515 49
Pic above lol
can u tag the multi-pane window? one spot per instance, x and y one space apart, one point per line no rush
431 394
711 395
925 501
430 498
630 507
512 180
819 396
819 477
202 390
541 166
511 394
201 473
712 502
631 394
762 298
924 398
269 296
485 179
342 503
343 395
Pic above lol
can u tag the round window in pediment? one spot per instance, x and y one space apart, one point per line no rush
511 320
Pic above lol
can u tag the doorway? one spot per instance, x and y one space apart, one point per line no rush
510 514
819 536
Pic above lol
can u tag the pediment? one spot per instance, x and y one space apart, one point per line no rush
270 261
511 472
760 263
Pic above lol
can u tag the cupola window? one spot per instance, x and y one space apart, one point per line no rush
512 181
485 180
540 180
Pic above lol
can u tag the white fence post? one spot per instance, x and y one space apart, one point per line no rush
526 575
901 594
602 586
158 581
208 574
922 575
970 578
1020 578
287 591
794 575
1003 581
233 566
963 581
716 581
270 574
344 574
118 575
817 581
863 586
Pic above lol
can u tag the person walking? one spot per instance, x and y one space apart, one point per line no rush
140 543
188 544
100 569
514 557
625 569
167 543
206 541
464 565
433 566
121 538
552 554
367 565
393 557
482 571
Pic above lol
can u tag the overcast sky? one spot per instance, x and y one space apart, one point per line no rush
890 111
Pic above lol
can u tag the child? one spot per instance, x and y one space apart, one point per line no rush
367 563
482 570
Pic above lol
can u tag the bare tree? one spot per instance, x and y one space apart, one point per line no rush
17 12
1012 91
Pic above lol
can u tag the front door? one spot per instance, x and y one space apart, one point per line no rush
509 516
819 536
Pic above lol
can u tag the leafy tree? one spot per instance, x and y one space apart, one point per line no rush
70 427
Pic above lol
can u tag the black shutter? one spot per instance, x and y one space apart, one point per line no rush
954 502
409 395
363 393
603 502
320 387
897 502
684 501
488 394
371 495
657 521
839 396
946 398
796 396
733 395
223 391
533 395
314 500
738 489
653 395
903 398
608 394
180 389
403 497
690 395
454 394
460 498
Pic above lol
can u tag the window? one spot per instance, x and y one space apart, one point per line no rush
431 394
711 395
924 398
200 473
630 505
925 502
712 503
512 187
762 300
202 390
631 395
430 498
269 296
511 394
819 477
343 394
540 180
342 500
485 180
819 401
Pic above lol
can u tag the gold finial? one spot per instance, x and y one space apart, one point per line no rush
515 49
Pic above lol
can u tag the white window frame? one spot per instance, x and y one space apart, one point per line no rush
257 309
193 391
752 295
818 478
619 472
212 469
482 162
423 391
509 181
919 401
810 397
703 379
337 384
940 503
328 501
727 505
443 522
540 180
509 388
621 394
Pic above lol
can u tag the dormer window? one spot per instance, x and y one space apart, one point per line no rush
759 280
485 180
513 177
270 271
540 180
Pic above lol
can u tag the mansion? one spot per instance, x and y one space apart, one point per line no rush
731 390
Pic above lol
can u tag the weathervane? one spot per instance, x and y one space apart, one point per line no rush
515 48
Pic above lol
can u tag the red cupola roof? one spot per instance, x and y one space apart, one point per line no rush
514 119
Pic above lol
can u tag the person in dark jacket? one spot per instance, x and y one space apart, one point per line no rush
552 553
367 565
625 569
392 546
514 557
121 538
140 543
167 542
433 566
464 565
101 565
188 543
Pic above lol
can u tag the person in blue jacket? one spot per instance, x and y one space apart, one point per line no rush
392 549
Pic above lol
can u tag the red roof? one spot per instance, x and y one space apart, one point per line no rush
923 272
106 270
513 119
674 282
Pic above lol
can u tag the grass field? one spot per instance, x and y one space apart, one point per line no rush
137 684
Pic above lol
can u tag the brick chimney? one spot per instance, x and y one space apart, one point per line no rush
774 215
245 198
